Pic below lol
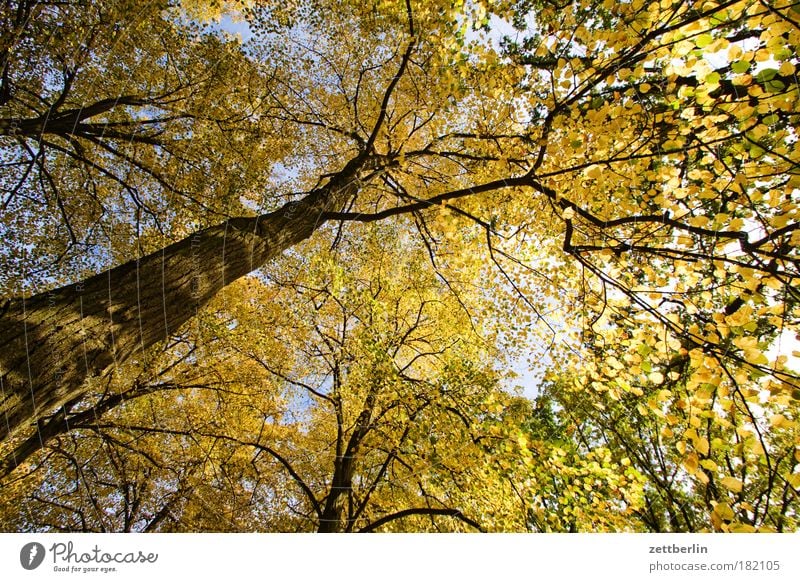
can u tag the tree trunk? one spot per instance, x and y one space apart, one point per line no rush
335 517
51 342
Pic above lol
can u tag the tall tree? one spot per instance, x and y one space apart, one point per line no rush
346 397
628 170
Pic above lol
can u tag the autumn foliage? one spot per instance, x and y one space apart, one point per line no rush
423 266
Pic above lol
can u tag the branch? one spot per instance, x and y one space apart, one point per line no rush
390 89
421 511
429 202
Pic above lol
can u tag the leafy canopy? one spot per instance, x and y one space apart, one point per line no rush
605 193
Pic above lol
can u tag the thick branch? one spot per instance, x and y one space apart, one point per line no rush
421 511
51 342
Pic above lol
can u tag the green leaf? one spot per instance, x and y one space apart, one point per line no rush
766 75
703 40
720 17
775 86
740 67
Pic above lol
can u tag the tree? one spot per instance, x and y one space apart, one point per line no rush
350 397
54 373
634 163
352 394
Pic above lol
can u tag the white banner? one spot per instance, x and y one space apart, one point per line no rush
387 557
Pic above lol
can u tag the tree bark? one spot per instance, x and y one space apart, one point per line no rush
52 342
335 517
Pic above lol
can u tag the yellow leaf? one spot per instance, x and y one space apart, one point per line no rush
724 511
691 462
708 464
732 484
794 480
755 356
716 521
780 421
786 69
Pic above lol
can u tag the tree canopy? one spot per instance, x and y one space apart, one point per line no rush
399 265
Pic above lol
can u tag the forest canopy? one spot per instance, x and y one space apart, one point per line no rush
395 265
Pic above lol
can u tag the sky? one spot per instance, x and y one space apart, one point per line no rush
529 377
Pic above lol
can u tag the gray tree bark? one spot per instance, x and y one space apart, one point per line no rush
52 342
